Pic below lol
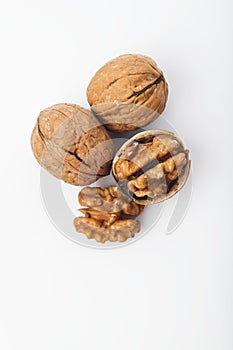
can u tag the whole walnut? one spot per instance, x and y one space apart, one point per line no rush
152 166
69 142
128 92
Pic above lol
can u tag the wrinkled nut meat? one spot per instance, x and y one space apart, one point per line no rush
151 167
106 215
69 142
128 92
109 199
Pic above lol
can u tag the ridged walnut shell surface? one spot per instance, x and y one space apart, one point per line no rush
128 92
152 166
69 143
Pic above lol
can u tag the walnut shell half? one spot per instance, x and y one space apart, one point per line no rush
69 142
152 166
128 92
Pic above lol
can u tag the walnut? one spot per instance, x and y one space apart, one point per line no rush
152 166
128 92
106 215
109 199
69 142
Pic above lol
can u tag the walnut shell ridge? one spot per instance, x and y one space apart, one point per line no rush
69 142
128 92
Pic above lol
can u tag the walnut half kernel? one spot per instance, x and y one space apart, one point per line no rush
152 166
107 215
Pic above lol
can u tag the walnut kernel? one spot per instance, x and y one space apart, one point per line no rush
151 167
106 215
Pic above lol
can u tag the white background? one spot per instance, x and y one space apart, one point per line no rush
162 292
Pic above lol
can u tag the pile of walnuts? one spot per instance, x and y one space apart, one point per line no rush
73 144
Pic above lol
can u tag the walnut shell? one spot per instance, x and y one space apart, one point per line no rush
69 142
128 92
152 166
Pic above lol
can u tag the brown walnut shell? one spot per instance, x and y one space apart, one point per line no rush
152 166
69 142
128 92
